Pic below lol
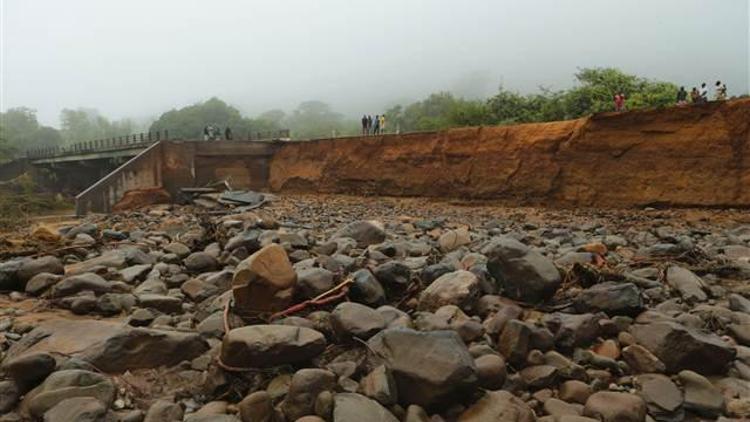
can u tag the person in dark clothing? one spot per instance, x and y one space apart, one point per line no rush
376 128
364 124
369 124
205 133
682 96
228 134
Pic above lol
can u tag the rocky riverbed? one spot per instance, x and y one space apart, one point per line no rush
331 308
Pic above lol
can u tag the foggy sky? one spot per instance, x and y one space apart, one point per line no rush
138 58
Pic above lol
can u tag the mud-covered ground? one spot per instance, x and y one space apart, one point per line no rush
423 310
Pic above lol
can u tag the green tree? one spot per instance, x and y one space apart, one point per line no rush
188 122
316 119
22 131
86 124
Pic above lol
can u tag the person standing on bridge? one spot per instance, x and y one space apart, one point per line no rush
376 128
228 134
704 93
721 91
682 96
205 133
364 124
369 124
382 123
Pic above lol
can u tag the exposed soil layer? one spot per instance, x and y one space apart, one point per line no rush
682 156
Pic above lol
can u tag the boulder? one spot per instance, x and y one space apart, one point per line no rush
304 389
67 384
365 233
640 360
264 282
491 371
349 407
454 239
164 411
680 347
110 346
200 262
689 285
366 289
351 319
380 385
41 282
608 406
256 407
78 409
523 273
28 370
498 406
9 395
514 341
393 274
430 368
611 298
261 346
78 283
663 398
701 396
311 282
460 288
46 264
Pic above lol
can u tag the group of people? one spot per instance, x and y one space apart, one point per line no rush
700 96
697 96
373 126
213 133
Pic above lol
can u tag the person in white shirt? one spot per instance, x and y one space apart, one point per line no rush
721 91
704 93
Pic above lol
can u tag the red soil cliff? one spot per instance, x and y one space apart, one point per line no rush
686 156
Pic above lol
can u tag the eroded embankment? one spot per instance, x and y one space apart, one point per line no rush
690 156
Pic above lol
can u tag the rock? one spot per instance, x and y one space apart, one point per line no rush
429 368
558 408
608 406
306 385
28 370
523 273
311 282
164 411
611 298
500 406
539 376
9 396
78 283
366 289
460 288
574 391
739 303
514 341
162 303
701 396
689 285
46 264
573 331
135 273
178 249
640 360
257 407
67 384
393 274
662 396
248 239
681 348
354 407
353 319
110 346
380 385
79 409
260 346
365 233
454 239
198 290
491 371
264 282
432 272
41 282
200 262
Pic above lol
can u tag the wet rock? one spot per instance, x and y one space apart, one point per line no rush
355 407
523 273
79 409
681 348
460 288
498 406
306 385
701 396
366 289
611 298
365 233
353 319
447 374
264 282
261 346
689 285
609 406
67 384
200 262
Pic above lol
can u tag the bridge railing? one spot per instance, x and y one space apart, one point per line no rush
135 140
